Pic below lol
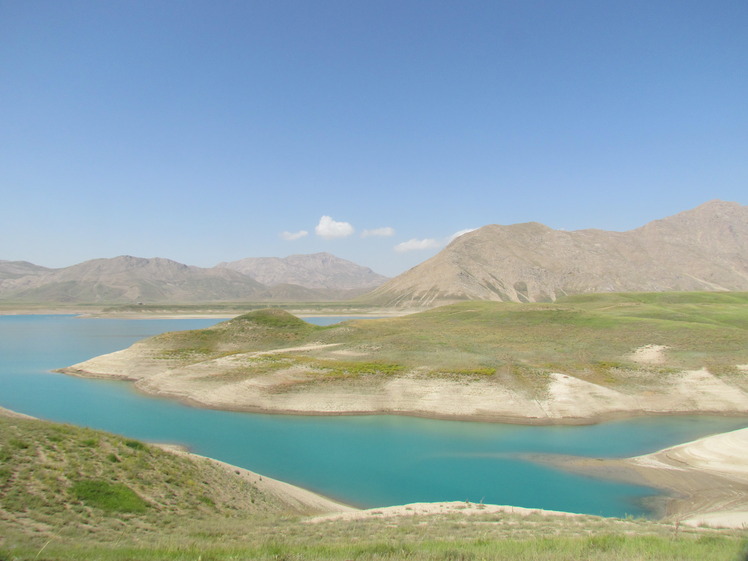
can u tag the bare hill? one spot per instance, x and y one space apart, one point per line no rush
318 270
128 279
17 269
701 249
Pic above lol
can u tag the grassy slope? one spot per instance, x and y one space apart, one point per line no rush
518 344
70 481
189 509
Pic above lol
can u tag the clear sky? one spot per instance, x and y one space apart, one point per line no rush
209 131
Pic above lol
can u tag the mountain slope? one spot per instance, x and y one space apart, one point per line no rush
128 279
17 269
702 249
318 270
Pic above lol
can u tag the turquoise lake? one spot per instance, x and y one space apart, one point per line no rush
366 461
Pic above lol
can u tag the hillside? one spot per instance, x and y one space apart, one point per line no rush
576 360
68 481
17 269
318 270
702 249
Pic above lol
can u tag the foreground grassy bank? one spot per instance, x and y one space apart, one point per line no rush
603 547
69 493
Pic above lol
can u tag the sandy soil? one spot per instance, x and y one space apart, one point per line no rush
649 354
567 399
413 509
12 414
297 498
707 478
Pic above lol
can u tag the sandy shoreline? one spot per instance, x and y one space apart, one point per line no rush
297 498
706 479
105 313
570 401
507 419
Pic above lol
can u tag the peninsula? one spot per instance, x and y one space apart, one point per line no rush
580 359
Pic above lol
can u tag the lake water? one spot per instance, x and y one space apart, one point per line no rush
366 461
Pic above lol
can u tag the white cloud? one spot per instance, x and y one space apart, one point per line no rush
384 232
461 232
291 236
329 228
415 244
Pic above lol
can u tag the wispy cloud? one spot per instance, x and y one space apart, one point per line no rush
329 228
416 244
383 232
291 236
460 233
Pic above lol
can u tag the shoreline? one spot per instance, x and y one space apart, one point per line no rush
460 418
103 312
482 417
705 480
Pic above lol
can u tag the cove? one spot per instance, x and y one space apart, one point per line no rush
366 461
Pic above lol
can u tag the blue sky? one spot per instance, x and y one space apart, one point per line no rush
209 131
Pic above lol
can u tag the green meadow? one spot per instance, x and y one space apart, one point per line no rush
591 337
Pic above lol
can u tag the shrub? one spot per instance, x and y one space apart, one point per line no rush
135 444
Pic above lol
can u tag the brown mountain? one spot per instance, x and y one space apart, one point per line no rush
317 270
18 269
128 279
701 249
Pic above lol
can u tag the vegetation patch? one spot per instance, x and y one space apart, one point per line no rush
110 497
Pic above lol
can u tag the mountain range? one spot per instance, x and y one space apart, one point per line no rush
127 279
704 249
319 270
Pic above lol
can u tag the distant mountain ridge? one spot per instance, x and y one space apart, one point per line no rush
127 279
701 249
17 269
705 248
317 270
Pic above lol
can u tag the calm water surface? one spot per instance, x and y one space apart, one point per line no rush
367 461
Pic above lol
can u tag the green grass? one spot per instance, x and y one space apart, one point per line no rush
257 330
519 345
109 497
407 543
62 476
